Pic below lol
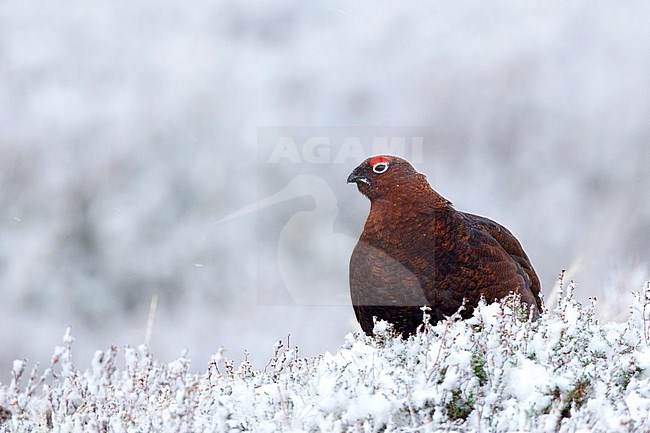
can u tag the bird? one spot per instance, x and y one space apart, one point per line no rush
416 250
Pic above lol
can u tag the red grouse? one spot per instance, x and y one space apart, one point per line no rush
417 250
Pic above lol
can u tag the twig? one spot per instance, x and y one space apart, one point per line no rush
150 319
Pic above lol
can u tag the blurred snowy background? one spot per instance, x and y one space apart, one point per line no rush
130 132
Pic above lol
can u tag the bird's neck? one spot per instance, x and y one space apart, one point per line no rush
416 196
402 211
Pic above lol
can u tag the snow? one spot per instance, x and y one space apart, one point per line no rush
492 373
19 365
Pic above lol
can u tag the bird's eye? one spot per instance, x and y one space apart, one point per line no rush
380 168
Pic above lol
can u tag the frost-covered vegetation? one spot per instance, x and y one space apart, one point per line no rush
496 372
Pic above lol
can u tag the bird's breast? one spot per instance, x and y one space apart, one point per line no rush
377 277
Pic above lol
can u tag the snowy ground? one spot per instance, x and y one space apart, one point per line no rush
493 373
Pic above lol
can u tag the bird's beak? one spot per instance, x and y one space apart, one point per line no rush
355 178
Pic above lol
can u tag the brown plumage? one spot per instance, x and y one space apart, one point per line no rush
417 250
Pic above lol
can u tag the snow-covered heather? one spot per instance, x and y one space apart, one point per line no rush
492 373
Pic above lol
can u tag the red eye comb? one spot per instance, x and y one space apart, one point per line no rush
379 160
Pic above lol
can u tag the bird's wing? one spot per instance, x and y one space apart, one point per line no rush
511 245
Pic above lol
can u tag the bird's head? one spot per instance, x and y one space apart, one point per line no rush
380 176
